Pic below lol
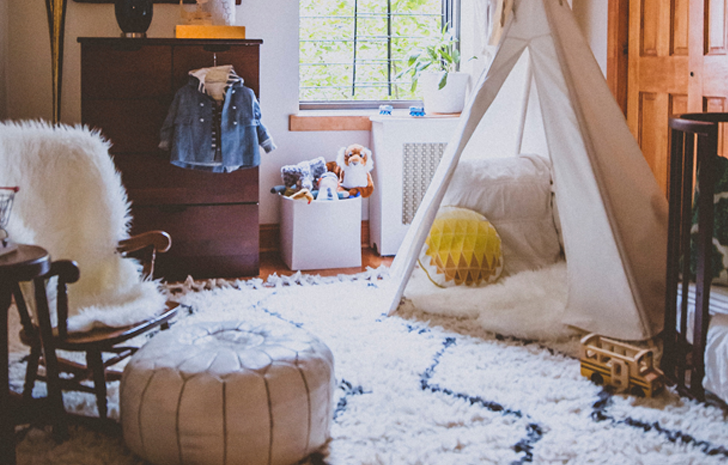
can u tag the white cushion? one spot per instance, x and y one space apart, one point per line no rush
228 392
515 195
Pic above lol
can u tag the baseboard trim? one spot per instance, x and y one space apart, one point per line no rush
270 237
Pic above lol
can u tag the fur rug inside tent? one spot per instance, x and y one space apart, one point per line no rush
529 304
72 203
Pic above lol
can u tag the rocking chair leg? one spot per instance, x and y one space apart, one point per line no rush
55 395
96 364
31 371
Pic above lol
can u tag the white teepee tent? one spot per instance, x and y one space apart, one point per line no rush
545 82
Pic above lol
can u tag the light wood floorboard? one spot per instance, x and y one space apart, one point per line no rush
271 262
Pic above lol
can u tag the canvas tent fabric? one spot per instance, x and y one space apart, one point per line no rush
545 85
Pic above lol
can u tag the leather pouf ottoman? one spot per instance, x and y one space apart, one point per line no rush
228 393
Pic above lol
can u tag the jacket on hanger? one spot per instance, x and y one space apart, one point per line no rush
214 123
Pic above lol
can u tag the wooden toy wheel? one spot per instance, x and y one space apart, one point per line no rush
597 379
637 391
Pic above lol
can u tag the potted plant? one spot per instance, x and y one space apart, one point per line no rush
443 87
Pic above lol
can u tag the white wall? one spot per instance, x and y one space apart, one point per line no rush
25 86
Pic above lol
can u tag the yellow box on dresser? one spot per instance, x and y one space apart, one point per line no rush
193 31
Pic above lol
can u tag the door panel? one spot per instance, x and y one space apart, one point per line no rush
679 21
651 131
716 28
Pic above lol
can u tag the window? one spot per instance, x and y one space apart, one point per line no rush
352 50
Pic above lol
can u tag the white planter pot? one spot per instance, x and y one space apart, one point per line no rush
449 99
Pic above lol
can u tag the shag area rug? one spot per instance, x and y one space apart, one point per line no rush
426 389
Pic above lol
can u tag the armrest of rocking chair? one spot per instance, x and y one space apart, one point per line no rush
152 242
66 270
159 240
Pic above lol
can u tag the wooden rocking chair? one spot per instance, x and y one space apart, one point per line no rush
94 343
75 206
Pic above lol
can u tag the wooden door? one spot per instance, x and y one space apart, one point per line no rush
658 75
678 62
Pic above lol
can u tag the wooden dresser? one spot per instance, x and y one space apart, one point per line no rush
127 86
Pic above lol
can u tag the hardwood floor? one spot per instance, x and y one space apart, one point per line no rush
271 262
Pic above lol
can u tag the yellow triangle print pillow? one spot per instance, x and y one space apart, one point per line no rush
462 248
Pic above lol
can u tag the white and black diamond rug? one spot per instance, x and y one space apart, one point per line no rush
418 388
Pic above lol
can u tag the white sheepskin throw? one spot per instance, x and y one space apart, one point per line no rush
528 305
72 203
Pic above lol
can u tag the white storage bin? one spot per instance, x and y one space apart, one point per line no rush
325 234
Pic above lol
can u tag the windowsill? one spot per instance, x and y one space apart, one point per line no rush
343 120
331 120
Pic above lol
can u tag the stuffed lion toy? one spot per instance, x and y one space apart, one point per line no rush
353 166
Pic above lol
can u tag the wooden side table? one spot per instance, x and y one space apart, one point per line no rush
25 264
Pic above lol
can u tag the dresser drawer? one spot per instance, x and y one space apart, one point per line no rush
207 241
150 179
125 70
132 126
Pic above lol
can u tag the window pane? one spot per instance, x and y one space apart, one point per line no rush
353 49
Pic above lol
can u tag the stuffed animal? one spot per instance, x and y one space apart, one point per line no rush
354 164
303 194
304 175
328 187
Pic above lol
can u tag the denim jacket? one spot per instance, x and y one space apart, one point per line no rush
190 127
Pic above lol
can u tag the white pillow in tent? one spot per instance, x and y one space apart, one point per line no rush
515 195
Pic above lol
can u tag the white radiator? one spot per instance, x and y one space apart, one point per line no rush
406 153
419 163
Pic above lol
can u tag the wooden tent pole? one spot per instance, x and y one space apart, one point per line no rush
524 106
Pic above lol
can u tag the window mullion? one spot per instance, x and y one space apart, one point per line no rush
389 47
356 38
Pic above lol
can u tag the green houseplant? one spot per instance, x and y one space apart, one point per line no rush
441 55
443 87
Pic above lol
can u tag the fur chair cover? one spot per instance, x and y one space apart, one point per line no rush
72 203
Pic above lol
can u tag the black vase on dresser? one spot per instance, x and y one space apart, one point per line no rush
133 16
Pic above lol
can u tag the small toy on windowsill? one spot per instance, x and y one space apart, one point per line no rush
7 195
386 110
417 111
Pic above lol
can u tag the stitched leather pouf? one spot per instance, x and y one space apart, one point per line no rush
228 393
